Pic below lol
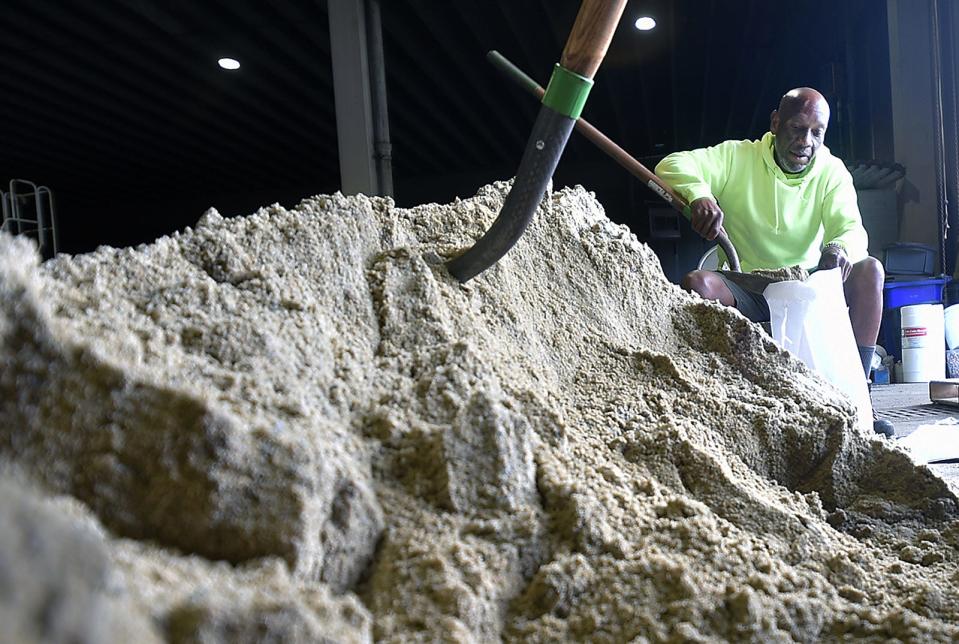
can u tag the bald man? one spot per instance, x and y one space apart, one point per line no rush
784 200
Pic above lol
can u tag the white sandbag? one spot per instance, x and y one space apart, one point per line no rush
810 319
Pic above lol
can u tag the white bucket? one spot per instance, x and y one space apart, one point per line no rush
952 326
923 349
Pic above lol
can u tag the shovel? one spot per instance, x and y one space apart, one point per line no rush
562 104
618 154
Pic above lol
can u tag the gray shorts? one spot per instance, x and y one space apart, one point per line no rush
747 289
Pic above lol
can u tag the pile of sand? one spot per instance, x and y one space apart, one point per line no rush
297 425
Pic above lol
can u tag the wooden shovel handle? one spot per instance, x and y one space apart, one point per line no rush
591 34
621 156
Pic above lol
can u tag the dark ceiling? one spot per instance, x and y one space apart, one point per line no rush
120 108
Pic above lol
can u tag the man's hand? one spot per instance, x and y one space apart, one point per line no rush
706 217
833 256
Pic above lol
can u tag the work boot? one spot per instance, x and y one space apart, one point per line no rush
882 426
879 425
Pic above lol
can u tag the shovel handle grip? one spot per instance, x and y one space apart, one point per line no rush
591 34
584 51
621 156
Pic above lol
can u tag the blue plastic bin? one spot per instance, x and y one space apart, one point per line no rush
897 294
924 291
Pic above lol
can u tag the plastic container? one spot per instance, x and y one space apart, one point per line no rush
880 376
898 293
906 258
923 351
902 293
951 318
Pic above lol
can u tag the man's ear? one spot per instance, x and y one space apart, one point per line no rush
774 121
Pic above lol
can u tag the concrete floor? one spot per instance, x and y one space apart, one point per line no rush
907 406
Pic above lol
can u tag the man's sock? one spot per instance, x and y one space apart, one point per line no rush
866 354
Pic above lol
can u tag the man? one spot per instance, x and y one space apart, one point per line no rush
785 201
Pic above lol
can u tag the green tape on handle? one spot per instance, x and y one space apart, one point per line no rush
567 92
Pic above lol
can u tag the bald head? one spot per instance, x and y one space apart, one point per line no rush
799 126
800 99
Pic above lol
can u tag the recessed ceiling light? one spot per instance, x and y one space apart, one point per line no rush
229 63
645 23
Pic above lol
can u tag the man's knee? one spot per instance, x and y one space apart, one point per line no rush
696 282
868 275
709 285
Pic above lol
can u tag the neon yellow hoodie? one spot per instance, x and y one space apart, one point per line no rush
773 219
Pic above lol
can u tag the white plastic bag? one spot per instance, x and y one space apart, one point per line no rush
810 320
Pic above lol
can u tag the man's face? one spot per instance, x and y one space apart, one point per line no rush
799 135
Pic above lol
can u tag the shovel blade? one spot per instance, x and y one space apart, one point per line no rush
543 151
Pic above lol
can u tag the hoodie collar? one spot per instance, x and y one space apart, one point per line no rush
808 172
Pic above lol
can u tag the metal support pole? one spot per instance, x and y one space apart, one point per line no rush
939 143
351 87
382 149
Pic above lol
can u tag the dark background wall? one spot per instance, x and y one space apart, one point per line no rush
119 108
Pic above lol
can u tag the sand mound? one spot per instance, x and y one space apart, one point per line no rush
297 425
